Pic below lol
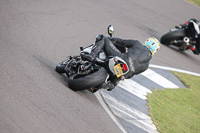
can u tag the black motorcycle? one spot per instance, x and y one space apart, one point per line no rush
83 74
179 37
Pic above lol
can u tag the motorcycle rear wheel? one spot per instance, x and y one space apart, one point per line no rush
88 81
171 36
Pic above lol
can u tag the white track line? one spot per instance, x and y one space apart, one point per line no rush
158 79
191 4
132 87
99 97
174 69
130 114
101 100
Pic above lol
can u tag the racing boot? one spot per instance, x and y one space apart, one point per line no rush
183 47
89 57
109 86
93 55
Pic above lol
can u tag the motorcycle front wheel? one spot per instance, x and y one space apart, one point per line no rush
60 68
79 83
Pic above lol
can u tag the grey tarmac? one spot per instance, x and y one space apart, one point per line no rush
36 35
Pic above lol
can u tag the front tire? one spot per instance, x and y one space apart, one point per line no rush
88 81
60 68
171 36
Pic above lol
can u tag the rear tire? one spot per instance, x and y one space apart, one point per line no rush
171 36
88 81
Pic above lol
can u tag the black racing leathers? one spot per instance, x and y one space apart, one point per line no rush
137 55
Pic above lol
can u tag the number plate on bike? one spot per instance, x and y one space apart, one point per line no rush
118 70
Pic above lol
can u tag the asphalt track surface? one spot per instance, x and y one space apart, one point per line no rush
36 35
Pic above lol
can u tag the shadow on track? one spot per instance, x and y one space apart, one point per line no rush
60 77
51 67
188 56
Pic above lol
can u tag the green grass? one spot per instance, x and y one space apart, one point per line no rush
197 2
177 110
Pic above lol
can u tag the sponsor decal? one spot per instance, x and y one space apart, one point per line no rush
131 64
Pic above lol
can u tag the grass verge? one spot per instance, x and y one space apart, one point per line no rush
196 2
177 110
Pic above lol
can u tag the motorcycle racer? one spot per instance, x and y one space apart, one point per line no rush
137 56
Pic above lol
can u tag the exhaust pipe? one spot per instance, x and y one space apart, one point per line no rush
186 39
